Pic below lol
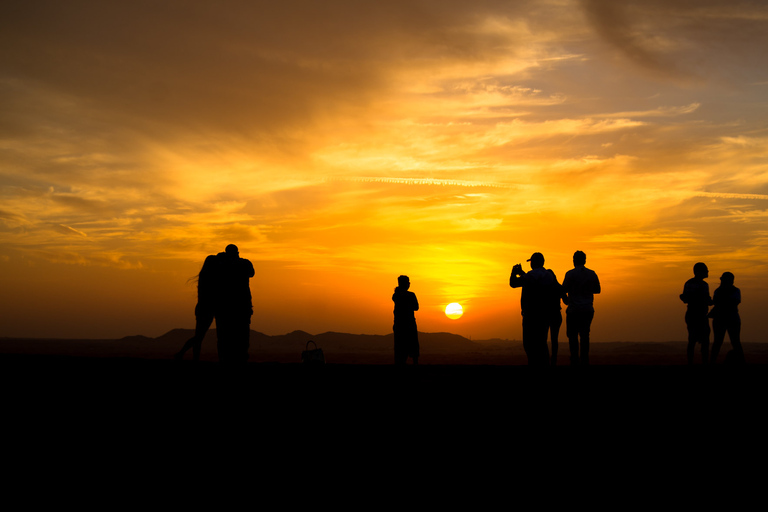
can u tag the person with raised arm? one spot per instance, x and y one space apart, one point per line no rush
535 306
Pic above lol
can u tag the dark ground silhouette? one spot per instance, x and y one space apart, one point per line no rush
343 348
151 423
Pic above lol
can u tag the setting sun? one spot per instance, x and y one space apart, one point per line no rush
454 310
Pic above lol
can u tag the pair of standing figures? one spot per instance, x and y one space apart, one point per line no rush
725 315
541 310
223 293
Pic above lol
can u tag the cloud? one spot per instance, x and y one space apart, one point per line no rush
657 112
422 181
721 195
685 41
613 22
66 230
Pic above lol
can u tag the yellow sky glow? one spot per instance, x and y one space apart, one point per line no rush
340 144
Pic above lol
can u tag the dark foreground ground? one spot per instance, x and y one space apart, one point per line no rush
349 433
312 397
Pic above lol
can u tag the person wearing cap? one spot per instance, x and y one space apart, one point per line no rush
696 296
579 288
535 305
234 307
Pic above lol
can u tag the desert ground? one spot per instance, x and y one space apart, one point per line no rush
140 422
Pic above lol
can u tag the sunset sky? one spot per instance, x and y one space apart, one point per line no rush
340 144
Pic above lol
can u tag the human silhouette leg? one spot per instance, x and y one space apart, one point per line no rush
577 328
414 345
734 334
542 335
202 324
698 332
535 339
406 343
529 343
233 329
584 348
401 356
573 339
718 328
705 343
736 354
585 324
554 332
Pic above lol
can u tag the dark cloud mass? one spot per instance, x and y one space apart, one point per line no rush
240 66
685 39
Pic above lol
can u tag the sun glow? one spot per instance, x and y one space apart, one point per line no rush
454 310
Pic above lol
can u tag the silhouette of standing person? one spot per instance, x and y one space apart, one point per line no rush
579 288
535 306
405 331
233 308
554 316
696 295
204 310
725 317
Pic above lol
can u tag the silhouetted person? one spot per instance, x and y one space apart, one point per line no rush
725 317
554 316
696 295
406 333
205 308
579 288
233 305
535 306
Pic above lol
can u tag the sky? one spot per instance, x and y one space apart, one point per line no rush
341 143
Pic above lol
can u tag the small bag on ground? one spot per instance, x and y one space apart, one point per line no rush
312 356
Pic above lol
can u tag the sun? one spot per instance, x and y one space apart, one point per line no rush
454 310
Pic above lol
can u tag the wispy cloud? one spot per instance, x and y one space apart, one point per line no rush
657 112
422 181
66 230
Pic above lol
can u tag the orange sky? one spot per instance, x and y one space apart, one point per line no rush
342 143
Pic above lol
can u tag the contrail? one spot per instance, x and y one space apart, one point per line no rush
422 181
724 195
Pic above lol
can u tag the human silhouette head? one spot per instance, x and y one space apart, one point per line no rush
727 279
579 259
537 260
232 250
403 282
700 270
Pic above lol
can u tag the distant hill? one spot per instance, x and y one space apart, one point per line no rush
436 348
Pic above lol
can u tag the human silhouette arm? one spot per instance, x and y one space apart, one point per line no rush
596 285
516 277
248 267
